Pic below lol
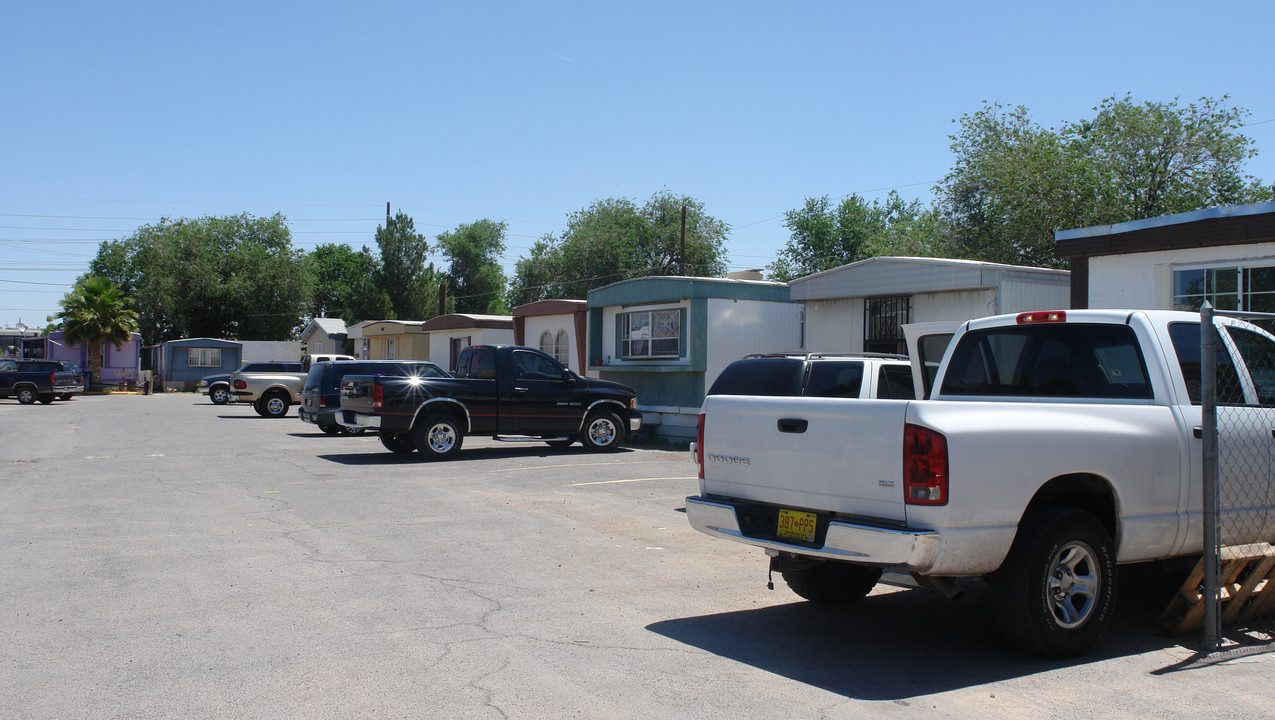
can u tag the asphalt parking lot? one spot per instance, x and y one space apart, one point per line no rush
163 557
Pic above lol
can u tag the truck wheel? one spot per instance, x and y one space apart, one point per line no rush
26 395
560 444
260 407
47 399
438 436
1055 593
347 430
398 443
219 394
275 405
603 432
330 429
828 582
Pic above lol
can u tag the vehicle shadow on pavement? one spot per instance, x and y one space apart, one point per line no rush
512 451
901 644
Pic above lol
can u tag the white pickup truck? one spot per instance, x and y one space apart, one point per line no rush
1053 446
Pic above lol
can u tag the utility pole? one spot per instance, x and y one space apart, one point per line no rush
681 256
387 214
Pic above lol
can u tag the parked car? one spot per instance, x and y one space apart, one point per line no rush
1052 446
308 361
31 380
856 375
271 388
321 391
80 379
216 387
503 391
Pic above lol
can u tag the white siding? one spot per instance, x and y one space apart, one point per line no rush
737 328
1145 280
959 305
268 350
538 324
1018 296
834 325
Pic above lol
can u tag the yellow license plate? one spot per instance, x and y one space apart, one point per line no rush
797 525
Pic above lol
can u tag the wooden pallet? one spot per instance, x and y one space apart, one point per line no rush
1247 581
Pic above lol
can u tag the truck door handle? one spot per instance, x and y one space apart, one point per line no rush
792 425
1198 432
518 389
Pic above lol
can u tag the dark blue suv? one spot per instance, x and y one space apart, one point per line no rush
321 391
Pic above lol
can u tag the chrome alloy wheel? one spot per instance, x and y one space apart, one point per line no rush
441 438
602 431
1073 584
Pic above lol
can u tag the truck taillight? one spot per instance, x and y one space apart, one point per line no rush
378 396
240 384
924 466
53 379
699 445
1031 318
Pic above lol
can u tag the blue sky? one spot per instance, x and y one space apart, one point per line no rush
117 114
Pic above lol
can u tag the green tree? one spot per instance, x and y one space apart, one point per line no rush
1014 182
344 284
823 237
96 311
226 277
407 280
475 280
615 239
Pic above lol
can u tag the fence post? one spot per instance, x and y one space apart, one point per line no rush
1208 431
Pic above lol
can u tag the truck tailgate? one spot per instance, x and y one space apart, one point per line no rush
779 449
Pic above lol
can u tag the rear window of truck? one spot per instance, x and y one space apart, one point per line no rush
1065 360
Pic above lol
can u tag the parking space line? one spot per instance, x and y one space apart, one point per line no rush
551 467
616 482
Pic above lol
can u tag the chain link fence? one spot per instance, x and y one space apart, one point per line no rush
1237 395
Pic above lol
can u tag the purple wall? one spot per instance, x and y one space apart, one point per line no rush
116 364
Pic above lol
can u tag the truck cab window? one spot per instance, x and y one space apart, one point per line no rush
1258 353
1186 345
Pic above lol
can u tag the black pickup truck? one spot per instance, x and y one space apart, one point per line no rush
506 392
31 380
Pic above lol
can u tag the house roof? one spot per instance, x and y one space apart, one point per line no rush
203 342
328 326
391 327
670 288
460 321
1211 227
550 307
906 275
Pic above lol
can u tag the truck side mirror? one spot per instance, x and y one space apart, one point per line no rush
568 377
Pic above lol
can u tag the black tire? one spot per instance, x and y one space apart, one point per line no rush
26 395
347 430
438 436
828 582
603 431
274 405
260 407
330 429
47 399
398 443
560 444
1056 591
64 396
219 394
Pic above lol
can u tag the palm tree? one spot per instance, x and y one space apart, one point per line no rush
96 311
